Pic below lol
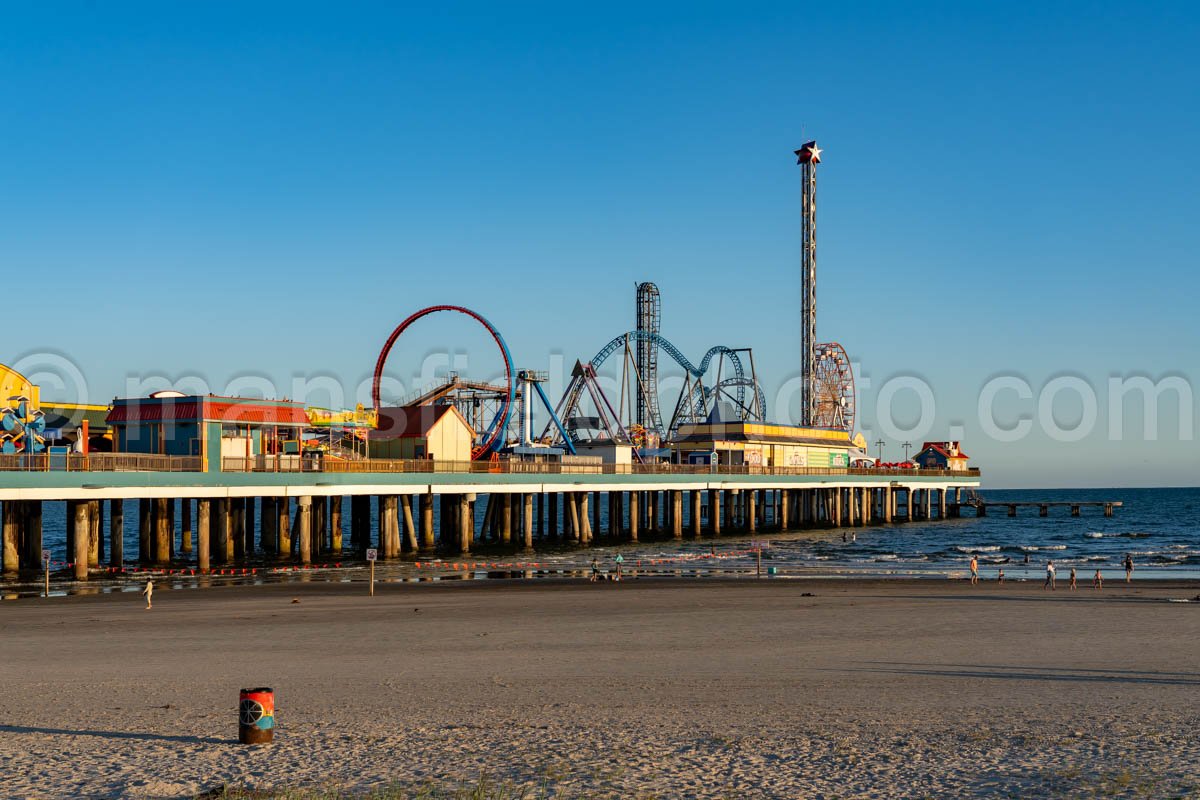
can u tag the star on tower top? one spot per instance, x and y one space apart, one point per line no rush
809 153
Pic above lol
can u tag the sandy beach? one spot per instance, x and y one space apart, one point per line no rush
649 688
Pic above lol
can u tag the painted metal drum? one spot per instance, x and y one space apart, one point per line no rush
256 716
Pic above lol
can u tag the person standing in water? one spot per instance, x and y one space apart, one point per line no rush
974 570
1097 580
149 593
1072 579
1128 567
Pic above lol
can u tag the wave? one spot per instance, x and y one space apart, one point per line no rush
983 548
1054 547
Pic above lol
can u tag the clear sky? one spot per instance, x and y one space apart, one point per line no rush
231 191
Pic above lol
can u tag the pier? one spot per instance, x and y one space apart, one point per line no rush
406 509
981 507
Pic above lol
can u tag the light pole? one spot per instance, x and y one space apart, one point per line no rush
906 445
880 443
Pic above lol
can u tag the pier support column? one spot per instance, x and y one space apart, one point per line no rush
506 519
714 511
268 526
410 525
889 503
572 501
908 499
387 520
941 493
752 511
784 495
320 523
1074 511
11 532
95 533
677 514
304 529
248 509
595 529
203 531
527 521
466 526
162 531
237 526
428 539
1043 510
30 529
1108 509
220 532
283 526
585 520
335 523
694 520
185 524
83 518
553 515
634 516
145 515
116 532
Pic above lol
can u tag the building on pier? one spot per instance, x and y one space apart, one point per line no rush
755 444
437 431
208 427
941 455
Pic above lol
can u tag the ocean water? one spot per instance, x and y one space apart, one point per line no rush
1160 528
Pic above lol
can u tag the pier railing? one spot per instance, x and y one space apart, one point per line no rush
134 462
409 466
97 462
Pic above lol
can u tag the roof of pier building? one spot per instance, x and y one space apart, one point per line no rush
947 449
414 421
206 408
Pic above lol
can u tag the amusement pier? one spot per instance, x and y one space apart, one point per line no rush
460 465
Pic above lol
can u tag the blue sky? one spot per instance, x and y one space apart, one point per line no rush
228 192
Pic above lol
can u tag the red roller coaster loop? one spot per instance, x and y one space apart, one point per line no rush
495 433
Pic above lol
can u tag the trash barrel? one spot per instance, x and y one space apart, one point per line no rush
256 716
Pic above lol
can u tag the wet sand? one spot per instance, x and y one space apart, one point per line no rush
648 688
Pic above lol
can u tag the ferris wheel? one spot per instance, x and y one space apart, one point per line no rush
833 388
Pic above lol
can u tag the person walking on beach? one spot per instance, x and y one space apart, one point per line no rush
149 593
1000 577
1097 580
1050 584
620 560
1072 579
974 570
595 570
1128 567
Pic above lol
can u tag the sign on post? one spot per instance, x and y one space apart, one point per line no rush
372 554
46 567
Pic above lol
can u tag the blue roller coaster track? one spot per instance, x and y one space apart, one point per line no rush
695 370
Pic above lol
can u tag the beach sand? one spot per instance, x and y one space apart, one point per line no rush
648 688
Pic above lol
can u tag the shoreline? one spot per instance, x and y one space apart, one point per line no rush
350 581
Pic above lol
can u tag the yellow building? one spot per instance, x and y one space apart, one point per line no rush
437 432
757 444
